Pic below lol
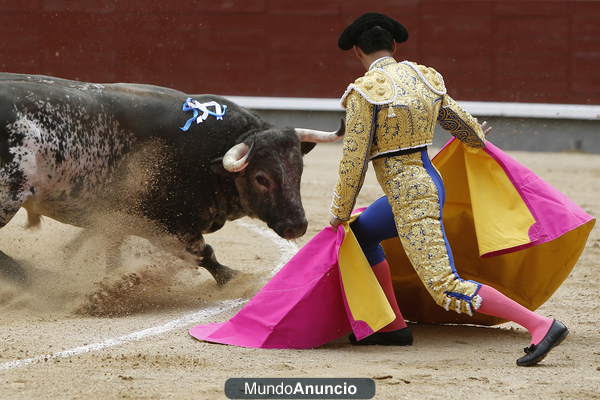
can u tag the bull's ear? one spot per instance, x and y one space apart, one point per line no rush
306 147
216 166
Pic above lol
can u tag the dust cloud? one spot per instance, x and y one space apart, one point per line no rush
66 272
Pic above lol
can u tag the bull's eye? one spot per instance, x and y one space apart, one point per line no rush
263 181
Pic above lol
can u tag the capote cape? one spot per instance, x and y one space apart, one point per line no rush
507 228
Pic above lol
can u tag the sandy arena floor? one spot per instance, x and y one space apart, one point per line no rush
80 332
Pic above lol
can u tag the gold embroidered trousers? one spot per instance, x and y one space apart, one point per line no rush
415 192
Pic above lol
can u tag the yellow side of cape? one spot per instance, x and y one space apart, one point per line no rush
491 193
364 295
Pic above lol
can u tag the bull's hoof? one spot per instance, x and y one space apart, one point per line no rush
11 270
224 274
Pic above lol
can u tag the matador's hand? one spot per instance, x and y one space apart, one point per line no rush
485 132
335 222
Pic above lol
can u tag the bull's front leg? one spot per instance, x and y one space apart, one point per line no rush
206 258
220 272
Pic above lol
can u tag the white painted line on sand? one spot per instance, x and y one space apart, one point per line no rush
153 331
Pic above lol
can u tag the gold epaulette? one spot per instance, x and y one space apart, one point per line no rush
376 86
430 77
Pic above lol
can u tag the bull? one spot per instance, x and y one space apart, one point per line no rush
174 167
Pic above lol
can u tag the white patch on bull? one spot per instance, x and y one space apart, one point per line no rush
68 156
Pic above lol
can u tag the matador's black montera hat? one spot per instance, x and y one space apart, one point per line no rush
367 21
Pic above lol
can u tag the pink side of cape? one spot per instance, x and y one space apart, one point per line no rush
300 307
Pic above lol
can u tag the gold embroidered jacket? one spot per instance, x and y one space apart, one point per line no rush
394 106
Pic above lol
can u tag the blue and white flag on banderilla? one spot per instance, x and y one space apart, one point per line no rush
197 107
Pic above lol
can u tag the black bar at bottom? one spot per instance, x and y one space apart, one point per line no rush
300 388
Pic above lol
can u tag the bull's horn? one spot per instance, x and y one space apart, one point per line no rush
311 135
238 157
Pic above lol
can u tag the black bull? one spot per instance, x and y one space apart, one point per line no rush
79 152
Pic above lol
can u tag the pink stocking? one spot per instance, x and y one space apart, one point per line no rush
498 305
382 272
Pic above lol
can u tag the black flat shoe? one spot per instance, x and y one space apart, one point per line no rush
536 353
401 337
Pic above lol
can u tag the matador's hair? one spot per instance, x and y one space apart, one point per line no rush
375 39
375 23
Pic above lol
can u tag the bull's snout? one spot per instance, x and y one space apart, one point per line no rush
295 231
